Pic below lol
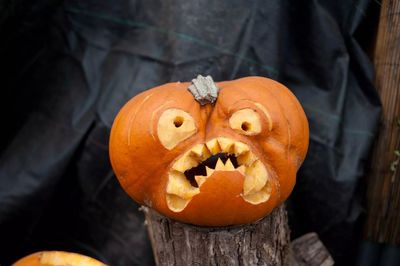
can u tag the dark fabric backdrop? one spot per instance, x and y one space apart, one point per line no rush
67 68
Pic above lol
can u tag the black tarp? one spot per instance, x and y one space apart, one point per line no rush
67 68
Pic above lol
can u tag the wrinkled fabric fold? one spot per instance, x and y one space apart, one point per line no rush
84 59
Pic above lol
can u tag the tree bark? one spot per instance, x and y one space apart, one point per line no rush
308 250
265 242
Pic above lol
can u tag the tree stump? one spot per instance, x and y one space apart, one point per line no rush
265 242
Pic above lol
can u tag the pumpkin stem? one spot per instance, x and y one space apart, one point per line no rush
204 89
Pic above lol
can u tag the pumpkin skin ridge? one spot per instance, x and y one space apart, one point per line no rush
244 103
293 180
301 114
277 91
292 117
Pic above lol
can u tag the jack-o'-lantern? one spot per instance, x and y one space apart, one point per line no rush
211 154
57 258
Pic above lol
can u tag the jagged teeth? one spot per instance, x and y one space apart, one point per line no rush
256 188
176 203
259 196
209 171
220 165
185 162
213 146
228 166
240 148
200 179
200 151
179 185
256 176
226 144
241 169
246 158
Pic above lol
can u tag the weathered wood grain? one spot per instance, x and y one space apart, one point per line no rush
308 250
265 242
383 192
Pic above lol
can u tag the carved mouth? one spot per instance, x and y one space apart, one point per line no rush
192 169
219 161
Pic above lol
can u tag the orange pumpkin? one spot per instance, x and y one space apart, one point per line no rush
220 163
57 258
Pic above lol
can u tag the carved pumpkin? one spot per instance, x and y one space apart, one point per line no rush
57 258
212 164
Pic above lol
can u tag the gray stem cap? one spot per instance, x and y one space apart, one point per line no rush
204 90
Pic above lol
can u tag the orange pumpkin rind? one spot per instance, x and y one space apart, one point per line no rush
221 163
57 258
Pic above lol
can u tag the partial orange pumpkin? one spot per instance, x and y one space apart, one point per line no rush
57 258
226 163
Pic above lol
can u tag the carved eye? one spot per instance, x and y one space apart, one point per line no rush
174 126
246 122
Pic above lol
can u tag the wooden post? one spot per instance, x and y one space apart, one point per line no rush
265 242
383 193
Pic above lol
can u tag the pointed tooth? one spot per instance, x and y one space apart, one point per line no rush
220 165
206 153
248 184
213 146
256 177
225 144
198 150
176 203
229 165
209 171
201 151
241 169
258 197
240 148
178 185
185 162
200 179
260 173
247 158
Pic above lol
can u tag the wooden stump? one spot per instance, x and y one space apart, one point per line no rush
265 242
